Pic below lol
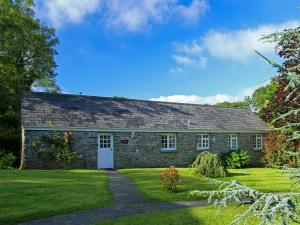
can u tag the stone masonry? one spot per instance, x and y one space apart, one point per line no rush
141 149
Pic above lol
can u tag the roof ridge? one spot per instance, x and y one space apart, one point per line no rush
130 99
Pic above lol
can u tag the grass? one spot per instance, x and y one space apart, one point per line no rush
147 181
263 179
206 215
32 194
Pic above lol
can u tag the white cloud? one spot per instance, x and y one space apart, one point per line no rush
236 45
195 99
189 54
176 70
129 15
64 11
192 12
184 60
213 99
241 44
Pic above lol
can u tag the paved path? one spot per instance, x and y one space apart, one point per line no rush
128 202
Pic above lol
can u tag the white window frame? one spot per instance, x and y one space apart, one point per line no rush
201 139
258 138
231 138
168 148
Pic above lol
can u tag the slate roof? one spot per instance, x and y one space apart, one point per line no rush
78 111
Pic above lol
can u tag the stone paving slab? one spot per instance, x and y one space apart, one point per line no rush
123 191
128 202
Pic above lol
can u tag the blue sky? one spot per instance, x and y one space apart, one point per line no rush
196 51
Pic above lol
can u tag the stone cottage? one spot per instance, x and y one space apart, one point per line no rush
125 133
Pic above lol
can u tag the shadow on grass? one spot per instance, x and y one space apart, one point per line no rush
237 174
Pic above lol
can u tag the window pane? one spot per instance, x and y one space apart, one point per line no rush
258 141
203 141
164 142
168 141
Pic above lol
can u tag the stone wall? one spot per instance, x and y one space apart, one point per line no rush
143 149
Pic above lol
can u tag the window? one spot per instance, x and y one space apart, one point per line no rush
257 141
232 142
202 141
105 141
168 142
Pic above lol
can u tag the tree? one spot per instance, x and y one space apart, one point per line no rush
26 61
261 96
240 104
273 208
283 109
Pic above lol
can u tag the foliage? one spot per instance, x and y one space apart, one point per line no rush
283 113
240 104
58 148
236 159
7 161
276 150
209 165
283 110
261 96
269 208
294 174
170 179
26 61
146 181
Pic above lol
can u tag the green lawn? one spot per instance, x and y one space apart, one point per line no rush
207 215
264 179
147 181
32 194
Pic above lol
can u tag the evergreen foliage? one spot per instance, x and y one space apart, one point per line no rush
283 110
270 208
209 165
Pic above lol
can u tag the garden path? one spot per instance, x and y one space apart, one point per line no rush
129 201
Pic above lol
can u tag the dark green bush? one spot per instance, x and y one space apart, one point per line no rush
209 165
236 159
7 161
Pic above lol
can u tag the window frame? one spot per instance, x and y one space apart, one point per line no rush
168 148
200 138
230 141
106 143
255 142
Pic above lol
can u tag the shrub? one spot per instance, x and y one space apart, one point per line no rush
7 160
237 159
58 148
276 151
170 179
209 165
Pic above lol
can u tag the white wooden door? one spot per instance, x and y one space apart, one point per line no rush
105 151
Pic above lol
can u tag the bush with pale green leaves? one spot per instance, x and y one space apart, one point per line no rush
209 165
